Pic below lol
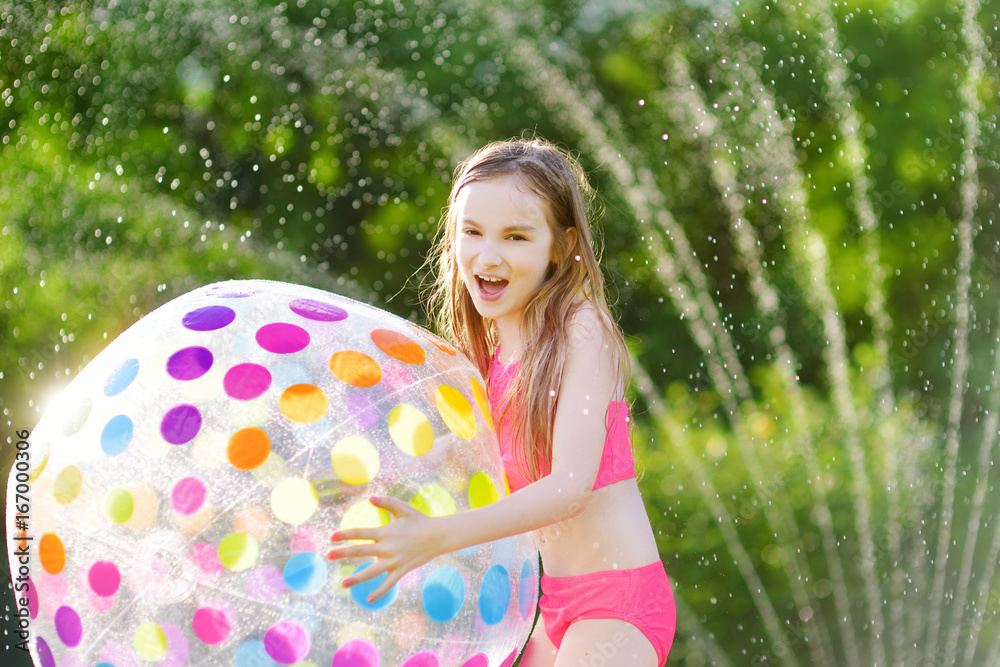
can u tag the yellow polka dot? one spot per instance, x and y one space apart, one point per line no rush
118 505
303 403
482 491
482 400
354 630
455 411
410 430
150 642
238 551
363 514
294 500
355 460
434 500
145 507
67 485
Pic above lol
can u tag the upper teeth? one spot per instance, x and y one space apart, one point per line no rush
491 279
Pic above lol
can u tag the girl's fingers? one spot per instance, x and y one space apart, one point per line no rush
354 534
356 551
386 586
394 506
359 576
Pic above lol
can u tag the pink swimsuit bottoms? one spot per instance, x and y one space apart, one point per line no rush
642 597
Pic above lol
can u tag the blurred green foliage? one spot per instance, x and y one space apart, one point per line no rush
147 148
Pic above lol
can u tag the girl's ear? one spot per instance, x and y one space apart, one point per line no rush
571 237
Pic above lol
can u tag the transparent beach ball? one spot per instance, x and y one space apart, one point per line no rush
186 483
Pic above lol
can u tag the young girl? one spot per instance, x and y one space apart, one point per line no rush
519 290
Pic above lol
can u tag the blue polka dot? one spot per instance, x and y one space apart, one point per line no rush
494 595
305 573
443 594
122 377
526 590
116 435
360 592
104 664
253 654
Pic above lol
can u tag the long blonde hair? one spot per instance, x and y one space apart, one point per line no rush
557 178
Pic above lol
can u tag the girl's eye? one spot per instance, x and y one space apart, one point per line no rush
517 237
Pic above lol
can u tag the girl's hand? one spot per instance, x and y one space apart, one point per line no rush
404 544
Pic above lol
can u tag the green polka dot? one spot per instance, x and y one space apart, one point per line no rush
118 505
482 491
150 642
238 551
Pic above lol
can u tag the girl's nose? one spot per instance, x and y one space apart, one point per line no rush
489 257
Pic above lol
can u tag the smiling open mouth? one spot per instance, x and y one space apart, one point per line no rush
491 286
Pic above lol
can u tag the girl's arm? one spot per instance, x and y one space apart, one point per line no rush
579 430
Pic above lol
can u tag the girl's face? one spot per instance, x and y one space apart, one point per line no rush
504 245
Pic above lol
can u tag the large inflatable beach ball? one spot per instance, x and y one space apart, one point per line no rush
184 488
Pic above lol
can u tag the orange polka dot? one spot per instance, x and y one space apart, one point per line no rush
253 521
398 346
355 368
434 340
304 403
52 553
197 522
248 448
146 506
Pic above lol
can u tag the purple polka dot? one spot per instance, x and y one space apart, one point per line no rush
181 424
265 583
177 646
44 653
246 382
188 495
190 363
208 318
356 653
68 626
422 659
287 642
282 338
317 310
104 578
478 660
362 410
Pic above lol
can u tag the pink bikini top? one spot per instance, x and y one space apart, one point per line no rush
617 463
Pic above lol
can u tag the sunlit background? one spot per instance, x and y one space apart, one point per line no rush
799 200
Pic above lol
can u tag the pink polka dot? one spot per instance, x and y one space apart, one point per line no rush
287 642
52 592
188 495
104 578
282 338
265 583
478 660
363 412
206 558
356 653
211 625
422 659
246 382
32 600
307 538
510 659
119 654
68 626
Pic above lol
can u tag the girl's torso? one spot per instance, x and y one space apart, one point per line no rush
612 530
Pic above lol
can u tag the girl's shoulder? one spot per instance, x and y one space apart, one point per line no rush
588 329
